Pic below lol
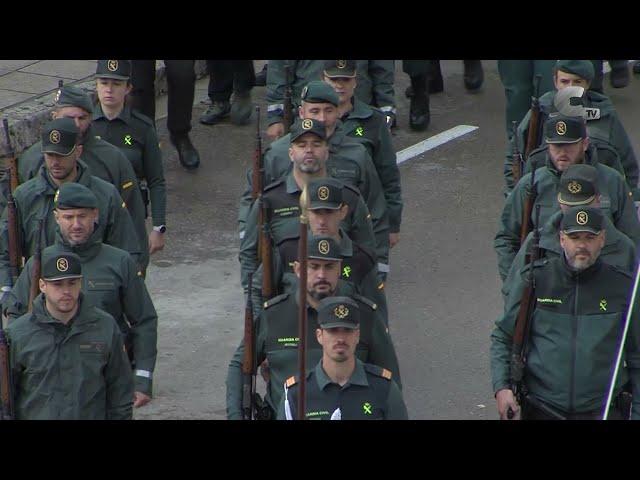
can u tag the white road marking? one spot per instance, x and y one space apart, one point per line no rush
433 142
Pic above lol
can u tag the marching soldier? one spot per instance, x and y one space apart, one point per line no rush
578 187
111 281
135 135
567 144
368 126
342 387
603 124
575 332
277 329
309 152
35 199
67 357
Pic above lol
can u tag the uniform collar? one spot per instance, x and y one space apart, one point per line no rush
86 251
291 184
358 377
124 115
359 111
80 319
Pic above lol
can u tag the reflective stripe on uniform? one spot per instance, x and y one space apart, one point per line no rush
383 267
143 373
274 107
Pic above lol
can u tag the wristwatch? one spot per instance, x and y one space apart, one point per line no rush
160 228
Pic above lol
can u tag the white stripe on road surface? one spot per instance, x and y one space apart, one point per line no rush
433 142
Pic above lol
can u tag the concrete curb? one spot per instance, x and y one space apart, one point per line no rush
27 119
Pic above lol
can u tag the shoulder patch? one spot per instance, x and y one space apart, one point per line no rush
378 371
127 185
291 381
276 300
365 300
273 185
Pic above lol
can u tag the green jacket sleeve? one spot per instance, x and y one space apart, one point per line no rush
632 359
396 408
234 374
502 335
384 159
30 162
142 316
620 140
120 231
507 240
119 381
382 351
245 205
517 265
382 73
135 206
249 246
17 303
626 217
359 227
154 174
522 132
372 288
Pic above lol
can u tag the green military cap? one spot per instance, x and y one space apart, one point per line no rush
58 266
578 185
340 68
60 136
74 195
325 193
323 247
116 69
300 127
334 312
70 96
564 129
582 219
319 92
582 68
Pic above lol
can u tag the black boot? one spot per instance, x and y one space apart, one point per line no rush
419 115
187 154
436 85
216 112
473 75
619 76
261 77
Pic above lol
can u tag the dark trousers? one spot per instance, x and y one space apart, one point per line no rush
228 76
530 412
181 83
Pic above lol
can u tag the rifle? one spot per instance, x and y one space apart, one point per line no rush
249 361
517 167
528 206
11 174
287 105
34 289
264 239
532 137
6 383
523 323
302 303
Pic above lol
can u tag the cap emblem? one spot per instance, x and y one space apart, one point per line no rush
561 128
307 124
341 312
112 65
62 265
574 187
323 247
54 136
582 218
323 193
341 63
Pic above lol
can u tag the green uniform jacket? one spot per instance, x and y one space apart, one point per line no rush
575 331
618 249
34 200
348 161
277 342
615 201
370 394
603 127
77 371
108 163
358 270
369 127
111 281
375 84
282 199
135 135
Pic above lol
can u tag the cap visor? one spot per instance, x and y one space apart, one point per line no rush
62 277
581 229
318 257
351 326
339 74
561 140
58 150
573 201
323 206
112 75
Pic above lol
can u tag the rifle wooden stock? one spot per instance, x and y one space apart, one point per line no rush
288 106
248 361
517 165
266 253
302 305
534 123
6 386
525 226
34 290
15 250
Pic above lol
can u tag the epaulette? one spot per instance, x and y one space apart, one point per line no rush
619 269
539 149
142 116
352 188
541 262
291 381
365 300
287 238
275 300
378 371
272 185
